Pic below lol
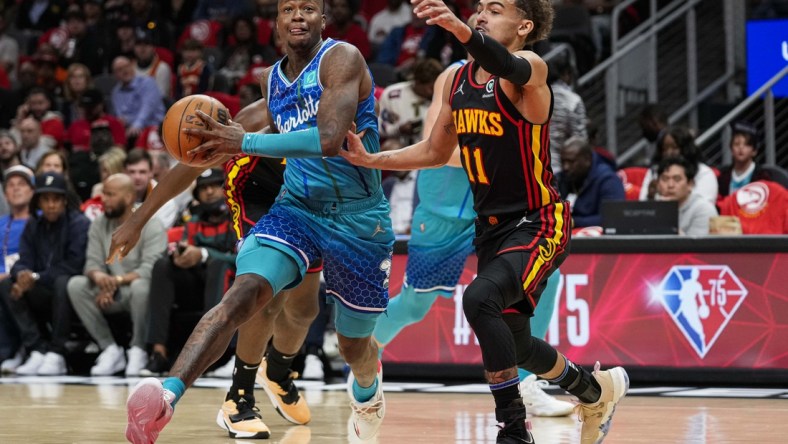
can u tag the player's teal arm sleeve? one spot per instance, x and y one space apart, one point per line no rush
302 143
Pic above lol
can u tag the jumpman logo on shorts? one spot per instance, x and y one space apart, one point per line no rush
378 229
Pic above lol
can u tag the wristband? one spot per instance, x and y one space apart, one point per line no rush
301 143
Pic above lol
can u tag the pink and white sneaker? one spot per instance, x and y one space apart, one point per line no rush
149 410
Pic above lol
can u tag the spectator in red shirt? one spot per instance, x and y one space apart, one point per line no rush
343 27
92 105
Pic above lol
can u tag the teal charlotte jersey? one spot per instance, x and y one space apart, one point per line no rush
293 106
328 210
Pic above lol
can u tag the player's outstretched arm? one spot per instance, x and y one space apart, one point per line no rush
434 151
128 234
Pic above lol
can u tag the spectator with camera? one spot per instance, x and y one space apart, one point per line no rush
200 264
122 286
51 250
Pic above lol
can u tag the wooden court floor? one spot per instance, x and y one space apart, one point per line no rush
56 413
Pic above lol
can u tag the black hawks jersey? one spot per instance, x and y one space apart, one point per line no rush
506 157
251 185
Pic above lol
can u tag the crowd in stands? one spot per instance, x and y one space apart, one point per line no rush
84 87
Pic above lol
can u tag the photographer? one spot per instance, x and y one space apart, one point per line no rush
202 263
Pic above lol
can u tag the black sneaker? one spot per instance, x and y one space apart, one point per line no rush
513 428
158 365
241 418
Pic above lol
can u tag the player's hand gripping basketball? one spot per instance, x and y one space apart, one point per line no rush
218 139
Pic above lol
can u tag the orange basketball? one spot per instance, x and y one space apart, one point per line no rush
181 115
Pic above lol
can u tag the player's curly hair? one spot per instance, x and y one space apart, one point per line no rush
541 13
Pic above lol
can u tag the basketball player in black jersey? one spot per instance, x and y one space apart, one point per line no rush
498 109
252 184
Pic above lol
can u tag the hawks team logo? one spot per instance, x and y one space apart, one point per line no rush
701 300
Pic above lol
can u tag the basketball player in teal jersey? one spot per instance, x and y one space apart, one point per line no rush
497 108
441 239
251 186
328 209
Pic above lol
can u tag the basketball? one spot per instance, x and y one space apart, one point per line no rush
703 312
181 115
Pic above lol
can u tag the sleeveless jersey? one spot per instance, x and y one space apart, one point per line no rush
293 105
251 186
445 191
506 158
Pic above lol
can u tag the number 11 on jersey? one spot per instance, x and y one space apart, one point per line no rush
481 175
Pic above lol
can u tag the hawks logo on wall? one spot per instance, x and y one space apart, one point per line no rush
701 300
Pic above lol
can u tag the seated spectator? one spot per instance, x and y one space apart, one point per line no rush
137 99
241 51
342 26
586 180
675 183
139 166
149 64
94 122
401 47
51 250
653 122
9 151
403 106
9 50
679 141
744 169
194 75
400 190
192 277
397 13
31 144
39 106
78 80
82 44
761 207
18 189
569 111
55 162
122 286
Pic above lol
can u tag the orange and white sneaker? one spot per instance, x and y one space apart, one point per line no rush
597 417
241 418
149 409
366 417
284 396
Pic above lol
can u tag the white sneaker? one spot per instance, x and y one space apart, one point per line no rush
10 364
225 371
137 360
313 368
366 417
31 365
539 403
54 365
109 362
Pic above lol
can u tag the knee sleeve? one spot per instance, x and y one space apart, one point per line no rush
533 354
481 298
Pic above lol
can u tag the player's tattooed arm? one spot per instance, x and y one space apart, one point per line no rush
345 79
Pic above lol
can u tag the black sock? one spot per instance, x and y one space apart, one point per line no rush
278 365
243 378
505 392
579 382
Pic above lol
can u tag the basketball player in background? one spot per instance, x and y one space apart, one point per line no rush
441 240
251 186
497 108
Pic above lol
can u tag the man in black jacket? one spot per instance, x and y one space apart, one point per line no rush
51 250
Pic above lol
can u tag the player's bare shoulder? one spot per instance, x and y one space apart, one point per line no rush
341 63
263 80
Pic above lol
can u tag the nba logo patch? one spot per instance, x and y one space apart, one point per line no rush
701 300
310 79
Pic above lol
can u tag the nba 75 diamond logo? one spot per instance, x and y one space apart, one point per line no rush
701 300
